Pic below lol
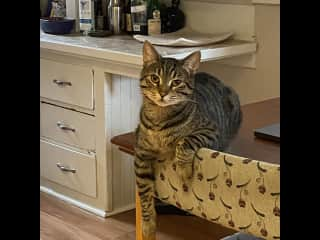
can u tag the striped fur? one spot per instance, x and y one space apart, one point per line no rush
182 112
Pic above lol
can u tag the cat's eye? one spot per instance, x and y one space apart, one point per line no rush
176 82
155 79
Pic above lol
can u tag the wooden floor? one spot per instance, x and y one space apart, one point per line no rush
61 221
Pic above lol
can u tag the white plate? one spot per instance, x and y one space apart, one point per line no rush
185 38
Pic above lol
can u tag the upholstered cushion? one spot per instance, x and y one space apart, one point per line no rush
236 192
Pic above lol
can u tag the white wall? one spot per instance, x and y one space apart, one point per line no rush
252 84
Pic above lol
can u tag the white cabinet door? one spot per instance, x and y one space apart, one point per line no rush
67 126
66 83
68 168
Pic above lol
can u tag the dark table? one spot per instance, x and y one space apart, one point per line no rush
255 115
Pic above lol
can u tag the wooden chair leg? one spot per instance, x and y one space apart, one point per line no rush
138 218
139 235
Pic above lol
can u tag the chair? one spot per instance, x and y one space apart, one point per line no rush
236 192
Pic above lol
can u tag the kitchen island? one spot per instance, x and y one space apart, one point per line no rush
89 92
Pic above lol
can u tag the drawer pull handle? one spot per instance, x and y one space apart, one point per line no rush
65 127
62 83
65 169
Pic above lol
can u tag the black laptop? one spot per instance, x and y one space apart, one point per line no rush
270 132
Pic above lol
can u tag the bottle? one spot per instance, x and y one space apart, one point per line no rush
164 17
116 16
100 19
154 20
86 16
175 17
139 16
128 21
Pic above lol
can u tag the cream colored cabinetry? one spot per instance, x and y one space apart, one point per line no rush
77 162
67 126
67 83
69 168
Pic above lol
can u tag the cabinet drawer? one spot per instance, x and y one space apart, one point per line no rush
67 126
56 163
66 83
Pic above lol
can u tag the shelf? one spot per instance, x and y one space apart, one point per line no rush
126 50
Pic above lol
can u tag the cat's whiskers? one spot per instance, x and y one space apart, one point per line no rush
190 100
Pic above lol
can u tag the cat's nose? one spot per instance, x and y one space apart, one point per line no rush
162 94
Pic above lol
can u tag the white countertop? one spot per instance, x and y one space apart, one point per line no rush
126 50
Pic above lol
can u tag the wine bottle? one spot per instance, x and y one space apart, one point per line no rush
164 17
128 21
175 17
139 16
154 19
100 19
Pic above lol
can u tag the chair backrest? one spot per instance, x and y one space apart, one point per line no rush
236 192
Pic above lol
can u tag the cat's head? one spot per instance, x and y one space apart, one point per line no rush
167 81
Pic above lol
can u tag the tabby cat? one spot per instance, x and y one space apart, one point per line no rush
182 112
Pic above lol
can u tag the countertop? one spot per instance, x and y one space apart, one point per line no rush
124 49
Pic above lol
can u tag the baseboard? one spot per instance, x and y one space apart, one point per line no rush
96 211
72 201
120 210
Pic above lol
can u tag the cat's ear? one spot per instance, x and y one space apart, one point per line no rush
192 62
150 54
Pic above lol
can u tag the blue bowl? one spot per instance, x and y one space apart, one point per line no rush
57 26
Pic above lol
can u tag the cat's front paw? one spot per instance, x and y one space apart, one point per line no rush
185 171
184 162
149 229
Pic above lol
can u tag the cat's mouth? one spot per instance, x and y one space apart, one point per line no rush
164 103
